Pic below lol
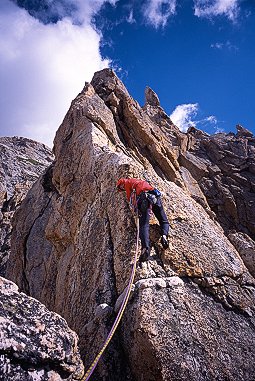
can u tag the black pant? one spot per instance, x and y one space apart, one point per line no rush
144 220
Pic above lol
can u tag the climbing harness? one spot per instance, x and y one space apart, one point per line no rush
147 199
120 313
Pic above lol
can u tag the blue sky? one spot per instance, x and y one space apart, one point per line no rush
198 55
208 61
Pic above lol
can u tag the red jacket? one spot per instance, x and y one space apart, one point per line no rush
131 184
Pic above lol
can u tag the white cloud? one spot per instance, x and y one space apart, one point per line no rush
211 119
210 8
217 45
219 130
183 114
130 18
157 12
225 45
43 67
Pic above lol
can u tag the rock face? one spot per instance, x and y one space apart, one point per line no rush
191 314
223 166
22 161
36 344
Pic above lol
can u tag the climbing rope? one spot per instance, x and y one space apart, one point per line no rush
92 367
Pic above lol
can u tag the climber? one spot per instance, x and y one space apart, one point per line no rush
144 197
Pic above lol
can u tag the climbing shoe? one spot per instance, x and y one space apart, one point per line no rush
164 242
144 255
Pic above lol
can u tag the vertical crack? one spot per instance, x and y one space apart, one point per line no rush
111 258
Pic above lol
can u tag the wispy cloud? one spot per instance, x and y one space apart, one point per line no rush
130 18
43 67
225 45
157 12
217 45
183 116
209 121
211 8
211 124
218 130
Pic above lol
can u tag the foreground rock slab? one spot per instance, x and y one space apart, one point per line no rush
35 344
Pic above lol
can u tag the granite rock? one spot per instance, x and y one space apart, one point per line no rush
35 344
22 161
191 314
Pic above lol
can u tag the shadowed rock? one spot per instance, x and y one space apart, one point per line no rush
22 161
223 165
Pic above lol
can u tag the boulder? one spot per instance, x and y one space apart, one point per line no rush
36 344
